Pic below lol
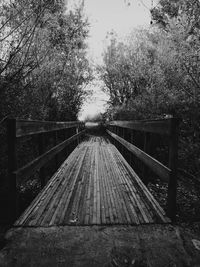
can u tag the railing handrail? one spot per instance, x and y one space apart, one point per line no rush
17 128
31 167
160 126
31 127
168 127
157 167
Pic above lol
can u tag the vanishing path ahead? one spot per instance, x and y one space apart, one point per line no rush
95 185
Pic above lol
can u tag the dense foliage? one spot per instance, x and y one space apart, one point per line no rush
156 72
43 64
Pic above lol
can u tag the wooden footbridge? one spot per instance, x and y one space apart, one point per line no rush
95 210
95 185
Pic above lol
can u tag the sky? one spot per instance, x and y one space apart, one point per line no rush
105 16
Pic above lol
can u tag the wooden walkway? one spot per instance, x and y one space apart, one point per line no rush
95 185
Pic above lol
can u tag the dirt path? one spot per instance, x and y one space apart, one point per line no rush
139 246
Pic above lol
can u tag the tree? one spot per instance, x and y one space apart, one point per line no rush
43 58
162 65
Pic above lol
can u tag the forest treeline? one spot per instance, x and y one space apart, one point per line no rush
43 63
155 73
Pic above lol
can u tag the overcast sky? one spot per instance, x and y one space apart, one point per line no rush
104 16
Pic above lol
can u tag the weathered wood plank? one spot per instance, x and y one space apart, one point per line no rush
68 179
114 176
98 190
102 194
95 185
106 197
107 178
27 214
112 188
90 188
53 209
141 210
82 209
94 211
132 208
47 190
121 182
138 185
66 200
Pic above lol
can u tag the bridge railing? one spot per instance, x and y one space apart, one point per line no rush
166 127
18 129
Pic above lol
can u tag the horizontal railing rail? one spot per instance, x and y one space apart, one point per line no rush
168 127
161 170
163 126
29 169
17 129
26 127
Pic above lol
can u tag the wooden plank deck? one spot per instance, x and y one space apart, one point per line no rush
94 186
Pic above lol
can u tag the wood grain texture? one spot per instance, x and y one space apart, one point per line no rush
94 186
